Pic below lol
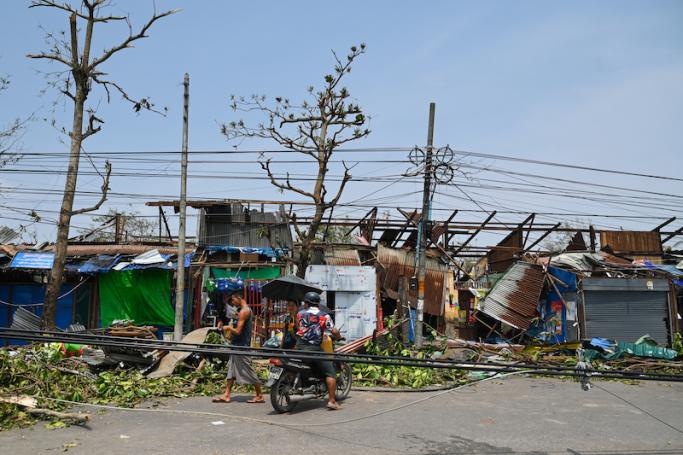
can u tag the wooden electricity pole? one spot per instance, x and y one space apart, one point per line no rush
180 271
119 224
423 229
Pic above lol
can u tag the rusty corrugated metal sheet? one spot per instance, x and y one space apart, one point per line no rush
88 250
337 256
514 297
631 241
395 263
437 231
95 249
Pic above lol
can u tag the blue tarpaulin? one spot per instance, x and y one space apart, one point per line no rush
98 264
668 268
33 260
269 252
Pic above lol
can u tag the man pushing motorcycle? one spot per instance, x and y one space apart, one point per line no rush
312 324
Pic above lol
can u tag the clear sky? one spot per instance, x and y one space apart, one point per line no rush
590 83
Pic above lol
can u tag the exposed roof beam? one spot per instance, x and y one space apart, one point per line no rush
667 222
540 239
474 234
679 231
531 219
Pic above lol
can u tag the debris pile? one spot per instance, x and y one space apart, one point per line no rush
36 378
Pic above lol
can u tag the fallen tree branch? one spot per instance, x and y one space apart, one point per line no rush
76 417
29 404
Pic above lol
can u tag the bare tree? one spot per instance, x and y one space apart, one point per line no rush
10 133
136 227
81 74
316 128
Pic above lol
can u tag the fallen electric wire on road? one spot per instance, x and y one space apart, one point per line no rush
223 351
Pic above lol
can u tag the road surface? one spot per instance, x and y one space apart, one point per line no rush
502 416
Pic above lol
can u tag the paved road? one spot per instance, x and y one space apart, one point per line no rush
507 416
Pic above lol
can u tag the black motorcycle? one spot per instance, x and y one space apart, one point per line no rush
292 381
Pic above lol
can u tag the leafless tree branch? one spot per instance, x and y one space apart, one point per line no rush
138 105
54 57
287 185
104 188
92 129
345 180
315 127
128 42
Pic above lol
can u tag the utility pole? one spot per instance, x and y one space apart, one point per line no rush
118 228
423 228
180 271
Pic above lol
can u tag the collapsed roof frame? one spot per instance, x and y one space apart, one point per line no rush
392 231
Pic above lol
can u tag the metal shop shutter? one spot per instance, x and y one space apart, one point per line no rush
626 315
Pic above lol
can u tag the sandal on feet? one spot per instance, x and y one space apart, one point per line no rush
333 406
256 400
220 400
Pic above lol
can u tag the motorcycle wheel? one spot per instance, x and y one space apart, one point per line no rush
279 394
344 379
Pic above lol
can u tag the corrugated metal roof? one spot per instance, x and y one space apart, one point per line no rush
33 260
235 225
91 250
8 235
397 263
23 319
514 297
338 256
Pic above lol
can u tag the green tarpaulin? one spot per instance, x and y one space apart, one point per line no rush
143 296
644 347
266 273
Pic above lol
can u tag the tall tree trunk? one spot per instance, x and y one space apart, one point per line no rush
307 242
55 281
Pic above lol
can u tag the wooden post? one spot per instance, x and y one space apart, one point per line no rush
403 308
119 222
180 272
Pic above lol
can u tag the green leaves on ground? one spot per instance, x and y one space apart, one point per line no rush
400 376
38 372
